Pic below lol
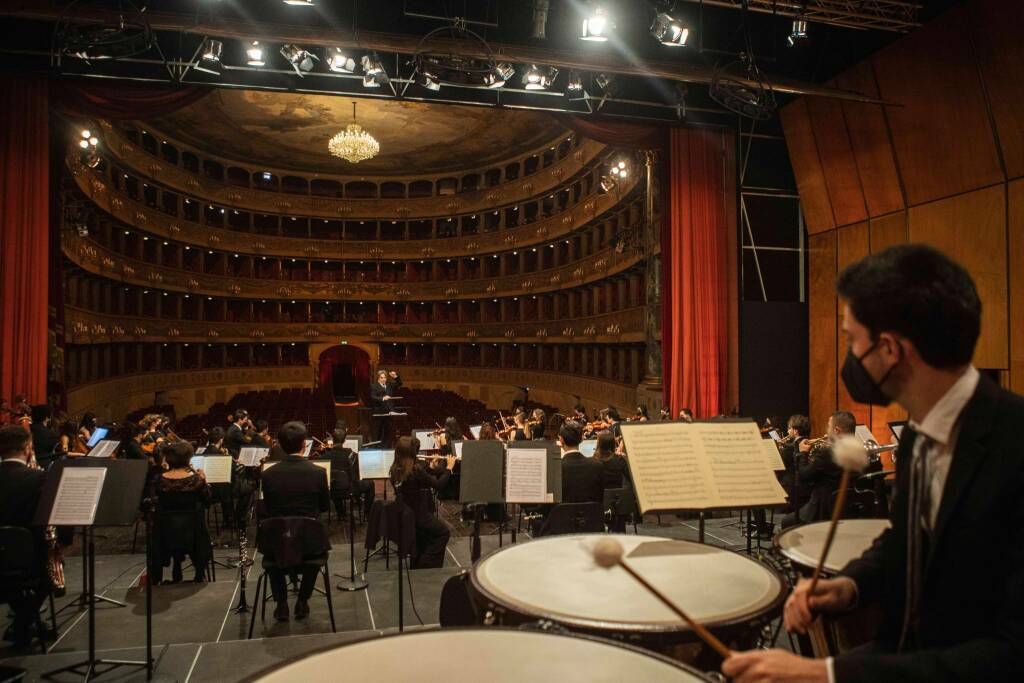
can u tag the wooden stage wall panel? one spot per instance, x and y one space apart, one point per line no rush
944 144
971 228
887 231
821 278
1016 288
840 170
996 36
803 155
851 246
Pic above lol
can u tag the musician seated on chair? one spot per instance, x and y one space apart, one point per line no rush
949 574
817 473
179 524
44 436
413 483
582 477
21 484
613 463
294 487
345 475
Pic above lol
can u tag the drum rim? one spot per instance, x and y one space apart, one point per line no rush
618 627
777 540
688 668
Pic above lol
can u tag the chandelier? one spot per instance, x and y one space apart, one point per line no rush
354 144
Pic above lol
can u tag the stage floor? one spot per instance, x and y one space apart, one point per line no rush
198 636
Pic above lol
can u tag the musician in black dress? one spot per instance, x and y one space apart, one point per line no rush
616 469
345 475
413 483
179 529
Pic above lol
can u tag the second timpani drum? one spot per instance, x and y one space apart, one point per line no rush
555 579
474 655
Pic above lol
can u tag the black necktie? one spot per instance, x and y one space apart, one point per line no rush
918 509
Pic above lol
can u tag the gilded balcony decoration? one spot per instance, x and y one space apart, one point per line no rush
133 157
139 331
193 233
259 333
87 327
451 291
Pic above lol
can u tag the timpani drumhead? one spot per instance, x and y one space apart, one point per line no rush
803 544
493 655
556 578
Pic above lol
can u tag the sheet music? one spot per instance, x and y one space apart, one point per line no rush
252 456
200 450
375 464
197 462
268 464
864 434
526 476
475 430
326 465
587 447
700 466
104 449
458 449
308 449
352 445
426 437
772 456
217 469
78 496
897 431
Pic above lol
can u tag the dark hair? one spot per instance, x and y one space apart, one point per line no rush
605 447
292 437
13 439
69 429
613 414
579 408
240 414
845 421
920 293
88 421
178 454
341 424
487 432
405 459
214 435
570 434
40 413
261 426
801 423
137 429
339 436
452 425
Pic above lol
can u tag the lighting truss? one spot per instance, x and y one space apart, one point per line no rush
877 15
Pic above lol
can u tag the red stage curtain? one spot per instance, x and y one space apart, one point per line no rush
24 235
695 289
122 100
346 355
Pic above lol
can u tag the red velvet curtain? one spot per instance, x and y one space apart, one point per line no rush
24 235
346 355
121 100
695 304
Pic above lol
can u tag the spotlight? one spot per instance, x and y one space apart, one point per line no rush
539 78
607 184
669 31
374 74
301 60
86 134
339 62
499 74
209 59
798 34
84 144
427 78
596 26
603 80
575 83
255 54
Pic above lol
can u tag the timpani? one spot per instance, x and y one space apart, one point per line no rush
802 546
483 654
555 580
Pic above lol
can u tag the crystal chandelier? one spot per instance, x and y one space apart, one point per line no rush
354 144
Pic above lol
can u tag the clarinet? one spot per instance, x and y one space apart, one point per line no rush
243 553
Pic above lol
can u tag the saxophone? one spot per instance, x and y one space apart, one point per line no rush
55 562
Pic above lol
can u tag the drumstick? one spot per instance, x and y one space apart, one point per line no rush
852 456
608 553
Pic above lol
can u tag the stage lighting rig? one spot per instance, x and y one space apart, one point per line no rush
339 61
596 25
539 77
254 54
209 57
300 59
374 74
798 33
668 30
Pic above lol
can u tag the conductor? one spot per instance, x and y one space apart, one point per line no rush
382 393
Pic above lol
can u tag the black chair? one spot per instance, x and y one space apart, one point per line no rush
19 573
620 505
392 523
573 518
289 543
859 504
180 532
457 608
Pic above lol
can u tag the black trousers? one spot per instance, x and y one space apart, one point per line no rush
25 606
431 541
365 493
279 584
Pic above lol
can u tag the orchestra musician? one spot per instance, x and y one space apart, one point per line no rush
616 469
579 414
345 475
817 472
582 477
133 446
413 483
260 437
237 436
179 489
87 426
70 444
44 436
685 415
949 572
535 425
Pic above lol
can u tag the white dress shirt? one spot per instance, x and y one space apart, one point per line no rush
942 427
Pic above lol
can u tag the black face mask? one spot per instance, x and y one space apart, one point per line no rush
859 383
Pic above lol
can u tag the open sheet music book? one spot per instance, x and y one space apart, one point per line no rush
105 449
700 466
217 468
252 456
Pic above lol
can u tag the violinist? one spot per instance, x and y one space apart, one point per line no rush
70 444
215 442
345 480
579 415
133 447
520 431
261 435
237 435
536 424
612 420
640 415
446 438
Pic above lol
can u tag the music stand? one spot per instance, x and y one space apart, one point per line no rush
353 583
481 481
118 506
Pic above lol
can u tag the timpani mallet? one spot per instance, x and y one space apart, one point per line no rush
850 454
608 553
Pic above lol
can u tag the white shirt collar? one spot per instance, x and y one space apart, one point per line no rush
17 460
940 421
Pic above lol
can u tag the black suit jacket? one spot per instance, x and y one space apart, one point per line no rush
972 601
295 487
234 440
582 479
20 488
378 392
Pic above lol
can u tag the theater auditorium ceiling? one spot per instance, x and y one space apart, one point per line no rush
291 131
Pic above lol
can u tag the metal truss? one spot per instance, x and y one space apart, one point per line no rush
877 15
